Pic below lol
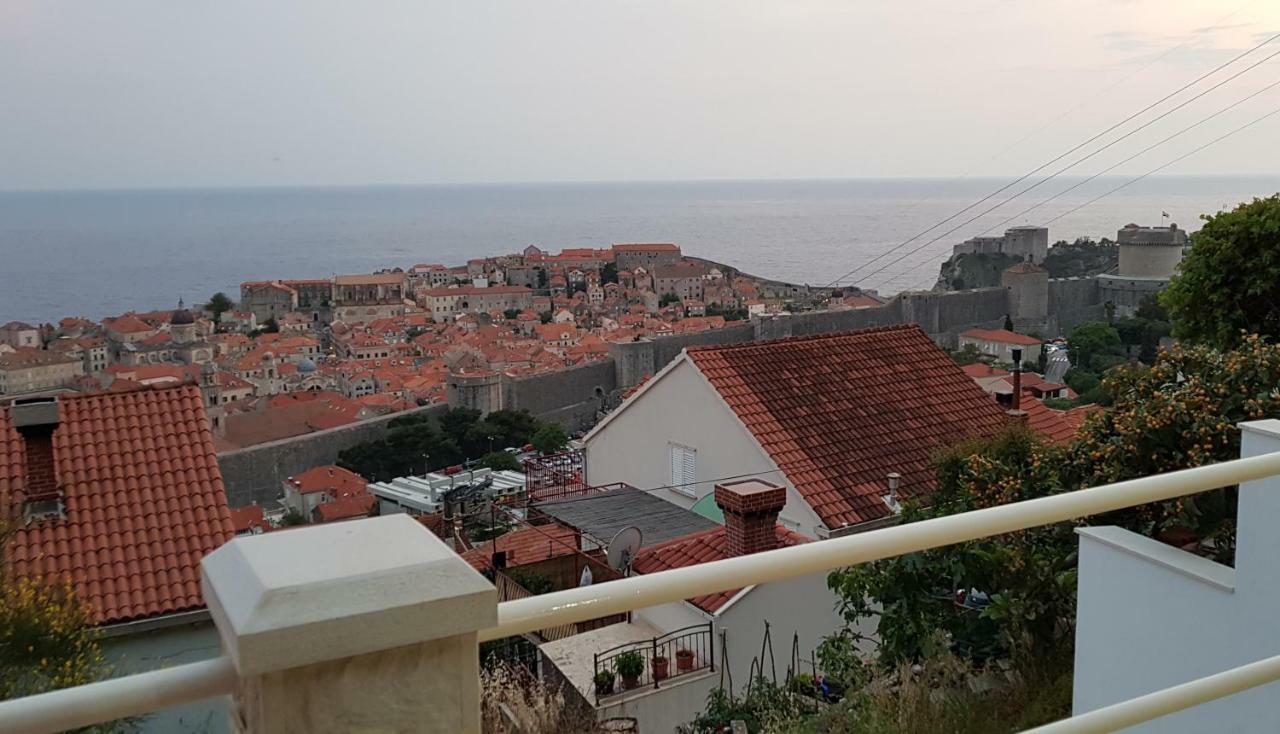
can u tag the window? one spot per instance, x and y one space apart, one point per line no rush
684 461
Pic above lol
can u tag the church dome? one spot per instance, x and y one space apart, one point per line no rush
306 366
181 316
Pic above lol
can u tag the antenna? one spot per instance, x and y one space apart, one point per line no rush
624 547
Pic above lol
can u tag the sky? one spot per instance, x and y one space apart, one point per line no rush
158 94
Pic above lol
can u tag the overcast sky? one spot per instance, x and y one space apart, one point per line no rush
157 93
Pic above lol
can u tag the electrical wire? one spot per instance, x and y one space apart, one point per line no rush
1145 150
1045 165
1068 167
1157 169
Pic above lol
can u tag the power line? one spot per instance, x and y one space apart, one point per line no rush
1157 169
1069 166
1150 62
1045 165
1147 149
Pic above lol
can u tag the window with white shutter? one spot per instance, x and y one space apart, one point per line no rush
684 461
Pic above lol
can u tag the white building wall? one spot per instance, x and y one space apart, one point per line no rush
662 710
681 407
1151 616
803 606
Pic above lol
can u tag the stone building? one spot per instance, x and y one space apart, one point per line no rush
446 303
630 257
683 280
19 335
1149 257
32 370
361 298
1031 244
267 299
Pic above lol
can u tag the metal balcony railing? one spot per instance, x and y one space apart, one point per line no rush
663 658
146 692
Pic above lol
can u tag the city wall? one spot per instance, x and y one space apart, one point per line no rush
575 397
254 474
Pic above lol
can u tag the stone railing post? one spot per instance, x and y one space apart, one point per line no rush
368 625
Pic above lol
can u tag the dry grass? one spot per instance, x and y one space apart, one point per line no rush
514 702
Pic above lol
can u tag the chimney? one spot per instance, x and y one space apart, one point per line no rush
751 508
893 480
1016 413
35 420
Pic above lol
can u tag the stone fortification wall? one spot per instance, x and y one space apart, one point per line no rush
254 474
1073 301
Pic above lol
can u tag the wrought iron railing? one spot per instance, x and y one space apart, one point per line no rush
664 658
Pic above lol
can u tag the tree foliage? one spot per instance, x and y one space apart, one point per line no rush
1180 412
219 303
550 439
47 639
419 442
1229 284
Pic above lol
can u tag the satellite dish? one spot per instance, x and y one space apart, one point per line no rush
624 547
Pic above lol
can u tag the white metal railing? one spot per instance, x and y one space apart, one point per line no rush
139 694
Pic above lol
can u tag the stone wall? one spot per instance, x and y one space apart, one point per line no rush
254 474
1073 301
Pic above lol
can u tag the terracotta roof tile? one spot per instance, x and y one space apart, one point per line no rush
526 546
701 547
143 496
839 412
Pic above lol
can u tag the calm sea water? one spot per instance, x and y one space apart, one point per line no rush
100 253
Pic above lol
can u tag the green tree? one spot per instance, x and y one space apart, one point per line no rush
1018 589
292 518
1094 346
511 314
545 317
550 439
270 326
219 303
667 299
1229 283
47 638
609 273
1008 322
966 355
500 461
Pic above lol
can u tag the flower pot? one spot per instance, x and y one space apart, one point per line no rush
604 687
660 666
630 681
684 660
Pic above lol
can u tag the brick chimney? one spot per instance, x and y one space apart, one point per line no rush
36 420
751 508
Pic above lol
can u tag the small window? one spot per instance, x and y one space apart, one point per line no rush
684 462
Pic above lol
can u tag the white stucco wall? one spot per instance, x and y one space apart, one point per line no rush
802 605
660 711
681 407
1151 616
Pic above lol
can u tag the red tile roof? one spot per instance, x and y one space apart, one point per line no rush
1002 336
333 479
526 546
1055 425
839 412
143 497
981 369
346 508
701 547
244 519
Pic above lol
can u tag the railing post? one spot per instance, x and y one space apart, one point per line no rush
711 638
653 669
367 625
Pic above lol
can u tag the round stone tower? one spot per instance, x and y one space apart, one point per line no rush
477 389
1028 288
1150 252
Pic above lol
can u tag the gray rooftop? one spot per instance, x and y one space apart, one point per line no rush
603 515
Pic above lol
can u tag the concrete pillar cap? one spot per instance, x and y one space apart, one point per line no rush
297 597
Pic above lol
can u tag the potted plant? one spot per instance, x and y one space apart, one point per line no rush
684 660
604 682
629 665
661 667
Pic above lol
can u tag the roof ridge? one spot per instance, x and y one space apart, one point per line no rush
808 337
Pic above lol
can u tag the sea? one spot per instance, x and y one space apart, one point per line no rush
100 253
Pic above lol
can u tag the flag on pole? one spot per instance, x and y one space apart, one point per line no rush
1164 214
